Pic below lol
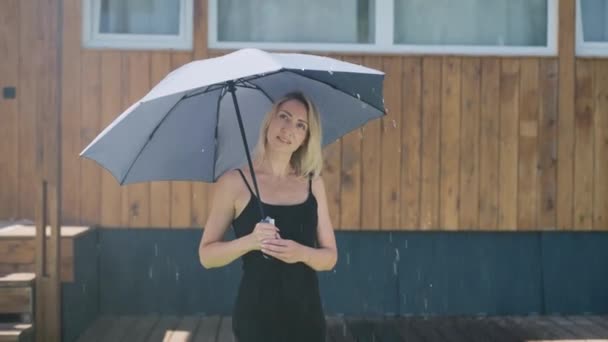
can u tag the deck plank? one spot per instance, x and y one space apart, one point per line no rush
225 332
589 325
163 329
185 329
338 331
207 329
119 328
402 326
97 330
141 329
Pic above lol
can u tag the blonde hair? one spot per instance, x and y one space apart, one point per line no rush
307 160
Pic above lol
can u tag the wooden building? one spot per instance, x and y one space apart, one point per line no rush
487 178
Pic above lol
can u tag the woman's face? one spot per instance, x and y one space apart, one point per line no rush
288 127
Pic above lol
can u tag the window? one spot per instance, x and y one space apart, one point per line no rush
507 27
592 27
138 24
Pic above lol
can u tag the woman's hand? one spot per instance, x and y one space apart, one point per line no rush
262 232
287 251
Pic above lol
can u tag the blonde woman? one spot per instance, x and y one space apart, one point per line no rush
278 297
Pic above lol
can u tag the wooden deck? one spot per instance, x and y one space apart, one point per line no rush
410 329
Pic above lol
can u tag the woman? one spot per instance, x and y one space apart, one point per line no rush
278 297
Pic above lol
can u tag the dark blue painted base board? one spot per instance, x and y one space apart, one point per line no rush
378 273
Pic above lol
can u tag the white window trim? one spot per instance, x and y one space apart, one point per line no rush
587 49
91 38
384 38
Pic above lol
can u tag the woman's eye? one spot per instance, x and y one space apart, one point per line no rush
302 126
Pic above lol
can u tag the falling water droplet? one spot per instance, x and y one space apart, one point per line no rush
155 250
430 285
84 288
203 150
405 243
330 72
343 329
177 276
150 272
396 254
395 268
426 304
394 124
360 134
348 258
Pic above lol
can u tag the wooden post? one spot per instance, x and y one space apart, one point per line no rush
47 322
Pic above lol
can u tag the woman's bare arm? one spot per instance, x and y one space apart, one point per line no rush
213 251
325 257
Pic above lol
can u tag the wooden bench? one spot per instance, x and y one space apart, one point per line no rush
17 249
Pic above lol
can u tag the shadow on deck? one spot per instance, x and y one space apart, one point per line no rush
414 329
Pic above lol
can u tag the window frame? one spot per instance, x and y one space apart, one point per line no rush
92 38
587 49
384 36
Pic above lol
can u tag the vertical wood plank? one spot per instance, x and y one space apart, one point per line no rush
600 197
370 159
70 116
391 145
583 146
509 121
111 107
431 119
160 192
30 68
565 148
548 144
411 142
469 147
200 29
332 162
9 146
138 85
488 144
181 191
90 172
450 143
528 144
351 176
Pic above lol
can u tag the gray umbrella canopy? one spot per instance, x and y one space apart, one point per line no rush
186 127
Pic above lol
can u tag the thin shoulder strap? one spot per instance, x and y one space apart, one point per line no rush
245 180
310 184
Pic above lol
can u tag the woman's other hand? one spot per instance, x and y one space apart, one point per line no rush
287 251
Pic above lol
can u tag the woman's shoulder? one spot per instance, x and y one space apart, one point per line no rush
229 181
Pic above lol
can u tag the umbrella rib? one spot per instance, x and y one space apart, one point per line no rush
217 118
336 88
124 177
250 85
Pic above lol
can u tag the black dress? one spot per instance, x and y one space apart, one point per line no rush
277 301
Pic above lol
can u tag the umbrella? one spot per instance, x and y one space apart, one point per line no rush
187 128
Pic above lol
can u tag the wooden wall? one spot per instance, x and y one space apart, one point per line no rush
469 143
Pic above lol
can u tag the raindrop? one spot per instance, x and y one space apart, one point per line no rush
430 285
330 72
177 276
386 110
348 258
396 254
364 105
419 275
155 249
394 124
343 329
303 69
405 243
359 96
360 134
203 150
334 270
390 237
395 268
84 288
426 304
150 272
